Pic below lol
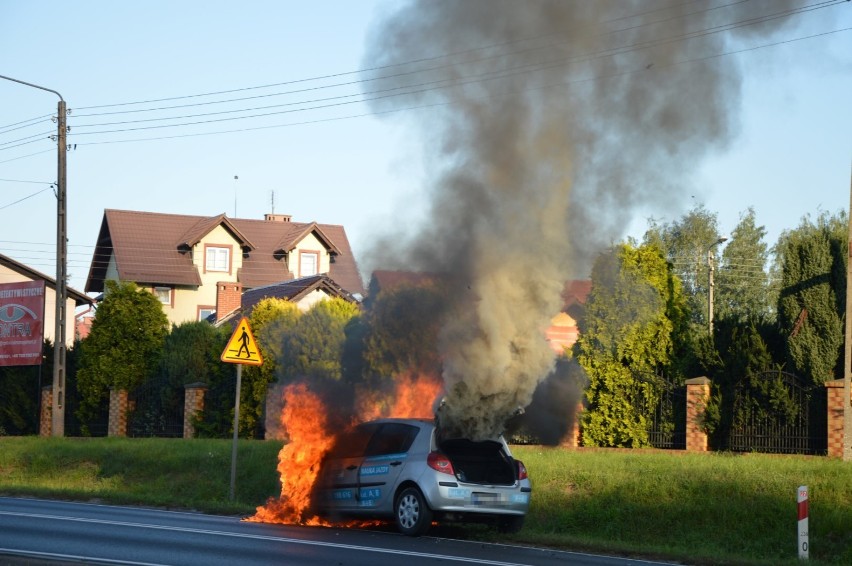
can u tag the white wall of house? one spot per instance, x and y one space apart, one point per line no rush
309 300
112 270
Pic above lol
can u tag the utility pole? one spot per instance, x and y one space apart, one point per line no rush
58 407
61 292
847 357
710 284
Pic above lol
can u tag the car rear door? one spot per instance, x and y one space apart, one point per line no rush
339 476
385 458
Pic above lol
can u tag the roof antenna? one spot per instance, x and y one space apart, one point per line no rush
235 195
272 198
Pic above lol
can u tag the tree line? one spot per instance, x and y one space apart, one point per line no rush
646 315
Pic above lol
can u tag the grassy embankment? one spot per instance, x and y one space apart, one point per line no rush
699 508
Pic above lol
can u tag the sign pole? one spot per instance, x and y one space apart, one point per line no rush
236 431
242 349
802 502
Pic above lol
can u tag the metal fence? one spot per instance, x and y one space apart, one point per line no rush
662 403
156 409
778 412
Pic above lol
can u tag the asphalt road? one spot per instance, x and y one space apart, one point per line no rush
36 532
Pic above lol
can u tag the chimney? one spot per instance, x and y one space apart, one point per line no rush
277 217
229 296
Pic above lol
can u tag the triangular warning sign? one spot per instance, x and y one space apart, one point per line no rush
242 348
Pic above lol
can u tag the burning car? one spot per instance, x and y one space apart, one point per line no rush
403 469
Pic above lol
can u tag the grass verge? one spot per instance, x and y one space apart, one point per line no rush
699 508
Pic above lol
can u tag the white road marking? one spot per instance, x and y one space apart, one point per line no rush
262 537
74 557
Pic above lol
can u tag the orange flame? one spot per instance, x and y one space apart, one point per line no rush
413 397
305 418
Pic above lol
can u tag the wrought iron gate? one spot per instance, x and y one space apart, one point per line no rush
663 404
776 411
156 409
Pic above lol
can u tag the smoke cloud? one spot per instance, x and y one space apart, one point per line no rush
545 124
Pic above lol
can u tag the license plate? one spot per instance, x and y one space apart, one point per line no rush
485 498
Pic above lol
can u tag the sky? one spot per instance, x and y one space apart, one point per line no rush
317 152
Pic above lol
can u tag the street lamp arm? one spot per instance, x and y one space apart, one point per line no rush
32 85
57 405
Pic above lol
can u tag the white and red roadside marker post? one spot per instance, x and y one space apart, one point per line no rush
802 500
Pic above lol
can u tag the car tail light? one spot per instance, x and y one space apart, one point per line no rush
439 462
522 470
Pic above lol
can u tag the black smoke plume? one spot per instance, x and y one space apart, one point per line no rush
545 124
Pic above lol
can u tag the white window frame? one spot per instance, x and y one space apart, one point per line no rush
163 294
208 310
215 256
316 264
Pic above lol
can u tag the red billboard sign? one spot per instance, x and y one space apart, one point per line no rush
21 323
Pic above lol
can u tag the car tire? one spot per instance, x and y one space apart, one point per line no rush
413 516
509 525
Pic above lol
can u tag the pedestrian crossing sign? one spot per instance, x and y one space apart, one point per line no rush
242 347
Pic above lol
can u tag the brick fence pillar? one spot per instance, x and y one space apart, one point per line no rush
193 404
273 427
117 412
45 417
834 407
572 439
697 394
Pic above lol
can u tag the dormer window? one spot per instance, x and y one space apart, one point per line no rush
218 259
308 263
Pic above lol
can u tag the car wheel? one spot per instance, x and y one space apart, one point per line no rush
511 524
413 516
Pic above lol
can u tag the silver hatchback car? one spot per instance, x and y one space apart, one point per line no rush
402 468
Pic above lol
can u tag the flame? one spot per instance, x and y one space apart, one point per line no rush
305 417
413 397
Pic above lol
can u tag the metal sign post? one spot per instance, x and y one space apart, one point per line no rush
236 433
242 349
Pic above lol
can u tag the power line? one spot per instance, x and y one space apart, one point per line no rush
10 127
605 53
31 182
383 77
21 144
39 135
25 198
561 84
28 155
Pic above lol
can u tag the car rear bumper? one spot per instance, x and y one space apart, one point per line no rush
453 496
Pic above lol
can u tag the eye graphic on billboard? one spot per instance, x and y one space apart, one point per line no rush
21 323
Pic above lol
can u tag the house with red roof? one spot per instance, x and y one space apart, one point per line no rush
200 266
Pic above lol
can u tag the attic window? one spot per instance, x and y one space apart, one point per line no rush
308 263
218 259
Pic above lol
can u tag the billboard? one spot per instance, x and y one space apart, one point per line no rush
21 323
